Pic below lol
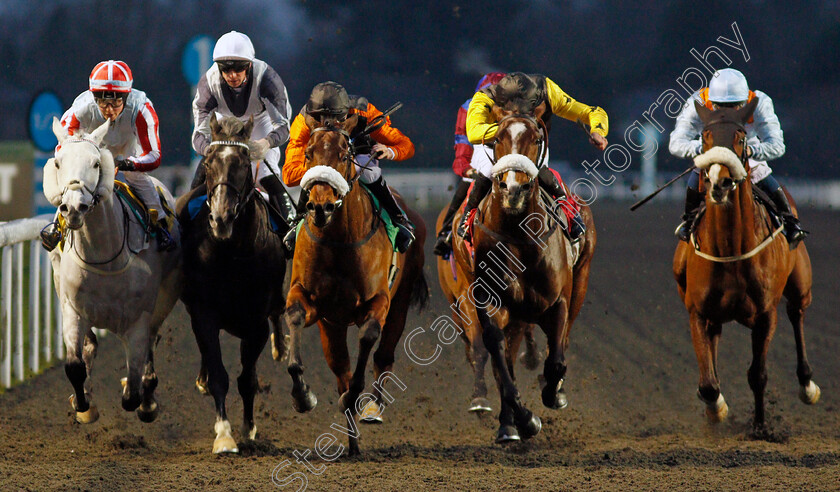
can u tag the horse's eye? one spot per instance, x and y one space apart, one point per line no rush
57 165
307 155
96 166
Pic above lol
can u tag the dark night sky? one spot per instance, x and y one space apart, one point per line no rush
429 55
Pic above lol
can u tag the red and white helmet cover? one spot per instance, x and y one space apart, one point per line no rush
111 75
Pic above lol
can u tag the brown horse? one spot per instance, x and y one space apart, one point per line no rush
524 272
345 271
738 268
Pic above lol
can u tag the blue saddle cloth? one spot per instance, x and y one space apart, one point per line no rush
195 206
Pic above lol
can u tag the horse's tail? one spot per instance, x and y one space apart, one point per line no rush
420 293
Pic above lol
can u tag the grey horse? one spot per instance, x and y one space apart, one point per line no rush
104 272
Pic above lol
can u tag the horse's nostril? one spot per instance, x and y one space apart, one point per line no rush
83 208
310 206
329 208
503 185
63 208
526 186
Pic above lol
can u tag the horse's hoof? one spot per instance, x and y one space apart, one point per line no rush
202 388
555 398
304 401
250 433
809 394
224 445
148 413
717 411
371 414
88 417
530 428
506 434
480 405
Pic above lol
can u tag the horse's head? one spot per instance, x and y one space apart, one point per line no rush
228 168
514 181
326 189
329 145
80 174
519 133
724 148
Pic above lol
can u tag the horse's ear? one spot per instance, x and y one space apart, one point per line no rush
51 189
540 110
215 127
746 112
498 113
99 134
59 131
311 122
702 111
349 124
248 127
106 174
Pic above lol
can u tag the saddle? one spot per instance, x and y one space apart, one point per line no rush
198 202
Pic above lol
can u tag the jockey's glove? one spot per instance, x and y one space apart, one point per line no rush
383 152
258 148
125 165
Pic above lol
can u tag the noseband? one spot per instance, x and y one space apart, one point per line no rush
241 196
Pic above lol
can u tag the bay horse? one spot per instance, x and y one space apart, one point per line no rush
234 265
737 268
525 270
345 271
105 273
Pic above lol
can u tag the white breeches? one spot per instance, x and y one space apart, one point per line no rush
759 170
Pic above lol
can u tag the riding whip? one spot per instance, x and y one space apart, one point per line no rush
669 183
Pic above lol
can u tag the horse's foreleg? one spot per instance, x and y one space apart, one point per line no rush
369 332
137 346
762 333
279 349
705 337
798 294
479 357
207 338
74 330
148 410
527 424
383 358
554 324
89 354
334 343
249 352
303 399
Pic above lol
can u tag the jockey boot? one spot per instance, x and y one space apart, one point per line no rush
300 214
405 236
50 236
160 230
693 199
279 201
793 231
481 186
548 181
443 245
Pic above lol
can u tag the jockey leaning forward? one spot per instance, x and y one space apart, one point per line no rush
330 103
520 93
242 86
469 159
132 138
765 142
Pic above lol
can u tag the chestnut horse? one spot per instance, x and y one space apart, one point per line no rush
737 267
526 274
234 266
345 271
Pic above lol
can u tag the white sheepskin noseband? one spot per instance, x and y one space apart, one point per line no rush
723 156
325 174
515 162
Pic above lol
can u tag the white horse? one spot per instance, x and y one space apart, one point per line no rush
105 274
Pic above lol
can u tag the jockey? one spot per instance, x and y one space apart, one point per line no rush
765 142
132 137
466 165
240 85
329 102
523 94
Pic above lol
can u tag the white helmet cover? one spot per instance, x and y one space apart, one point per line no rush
233 46
728 86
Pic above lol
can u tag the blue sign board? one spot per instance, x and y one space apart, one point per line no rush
197 58
44 107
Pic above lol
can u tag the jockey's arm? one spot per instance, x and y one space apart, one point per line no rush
275 98
685 140
295 166
463 148
203 104
766 124
481 126
566 107
389 136
147 128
